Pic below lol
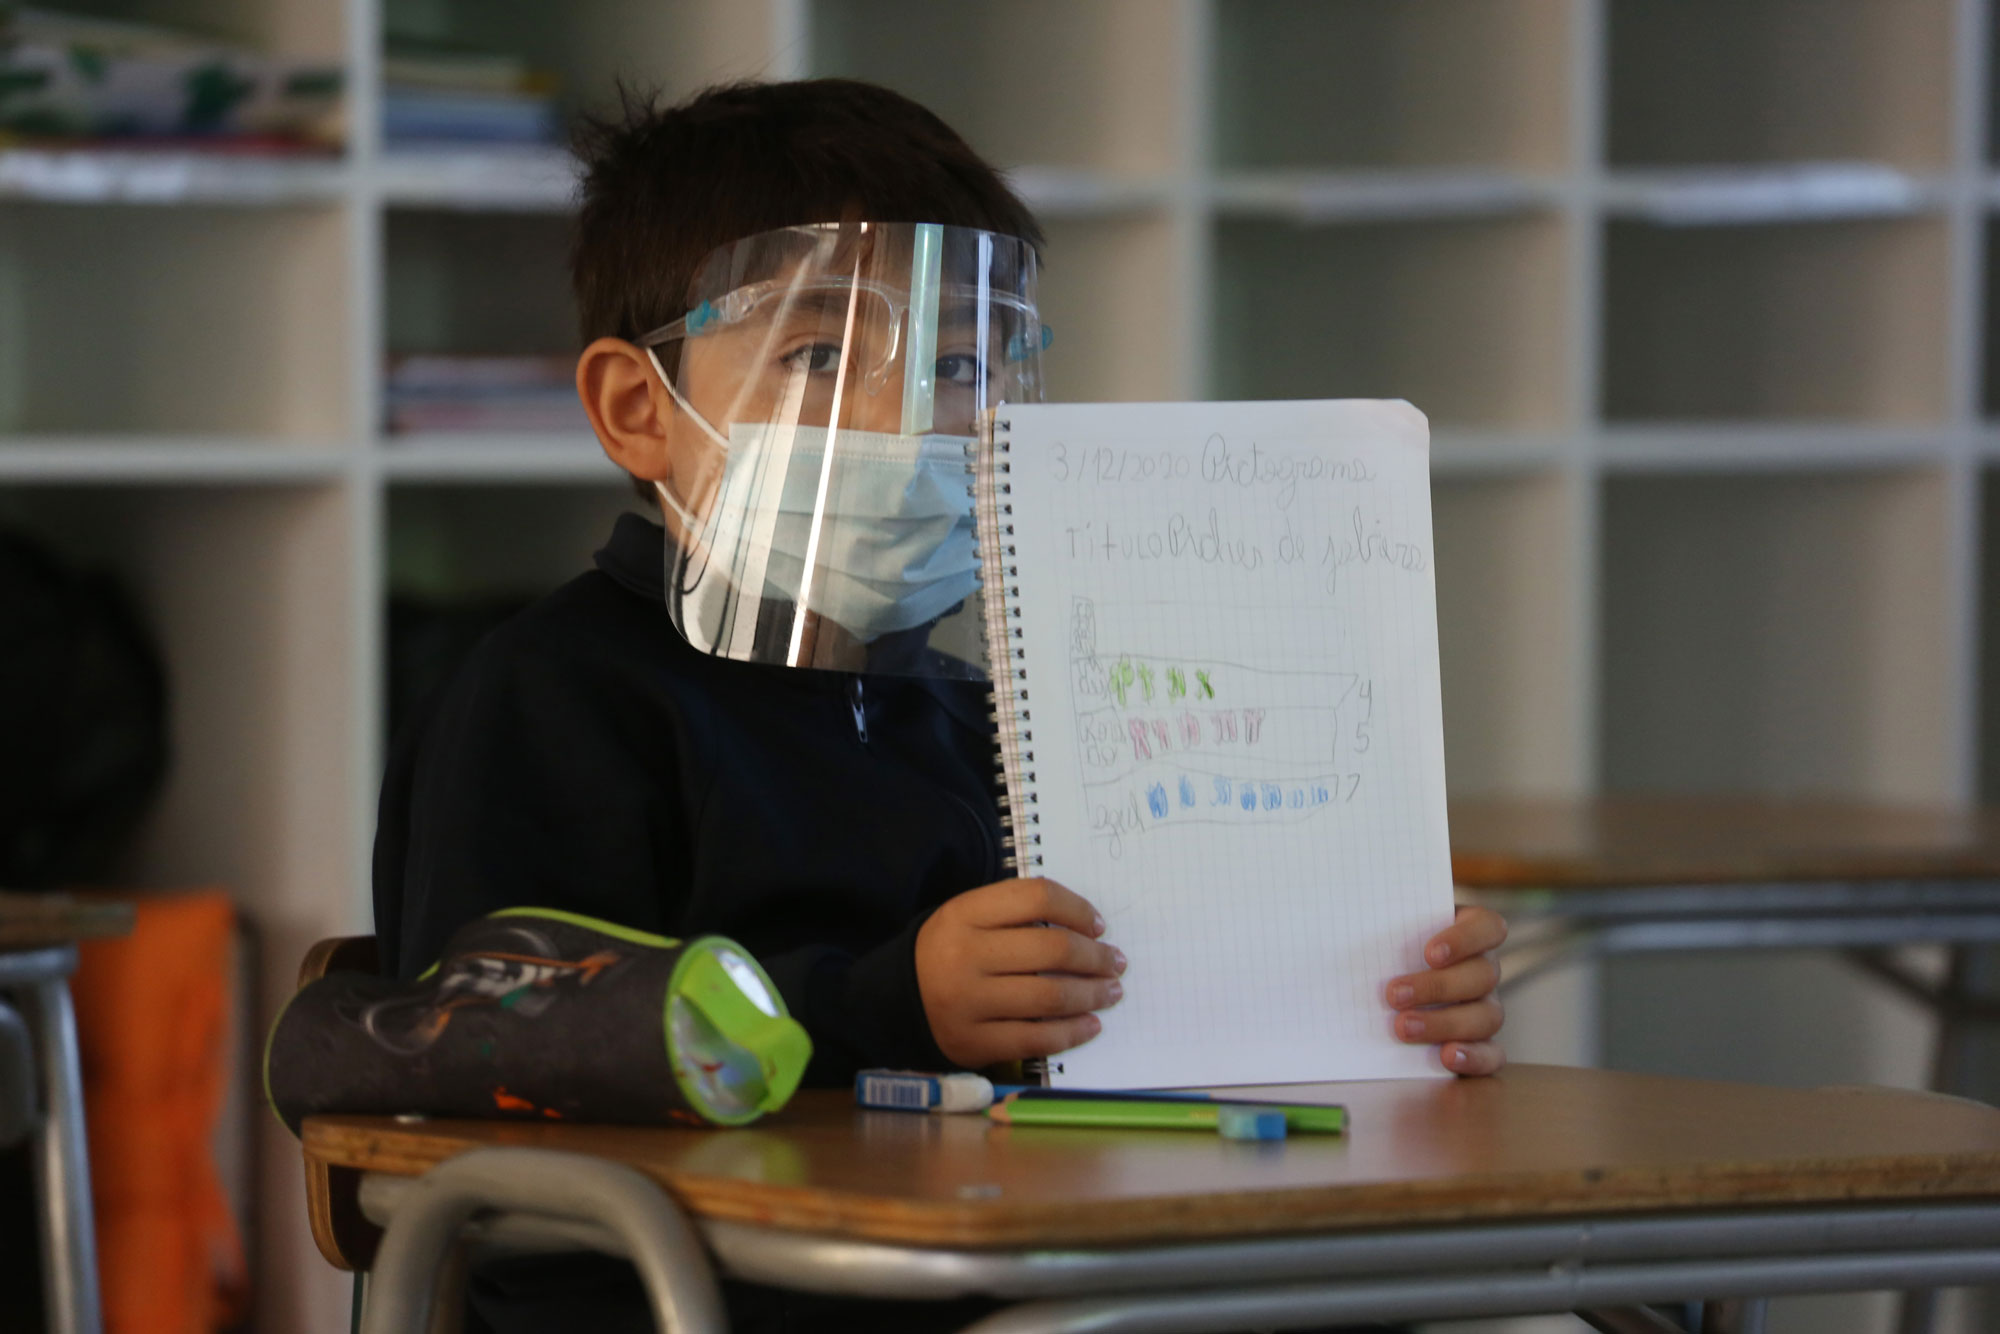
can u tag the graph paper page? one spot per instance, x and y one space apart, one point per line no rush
1230 629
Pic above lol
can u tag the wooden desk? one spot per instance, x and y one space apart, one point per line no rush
41 921
1619 842
1542 1189
38 935
1616 875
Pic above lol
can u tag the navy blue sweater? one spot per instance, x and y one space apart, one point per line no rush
586 757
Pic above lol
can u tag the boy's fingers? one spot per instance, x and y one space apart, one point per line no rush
1021 902
1014 1040
1466 980
1476 931
1472 1058
1059 997
1475 1022
1048 949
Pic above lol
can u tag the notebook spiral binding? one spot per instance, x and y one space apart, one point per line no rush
1000 623
993 519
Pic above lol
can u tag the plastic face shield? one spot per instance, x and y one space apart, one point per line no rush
829 381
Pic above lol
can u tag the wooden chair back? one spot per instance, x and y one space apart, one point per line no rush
333 1194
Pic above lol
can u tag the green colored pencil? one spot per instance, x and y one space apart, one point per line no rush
1148 1114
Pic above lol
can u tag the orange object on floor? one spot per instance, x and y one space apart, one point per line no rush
153 1026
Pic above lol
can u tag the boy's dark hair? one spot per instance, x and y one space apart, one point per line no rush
663 187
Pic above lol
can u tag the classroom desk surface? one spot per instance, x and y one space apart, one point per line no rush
1537 1141
41 921
1605 842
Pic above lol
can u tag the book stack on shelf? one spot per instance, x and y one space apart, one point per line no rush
475 395
466 98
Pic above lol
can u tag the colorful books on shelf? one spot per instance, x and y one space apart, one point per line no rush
483 395
467 98
70 77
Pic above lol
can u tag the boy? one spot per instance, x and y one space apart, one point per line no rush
797 299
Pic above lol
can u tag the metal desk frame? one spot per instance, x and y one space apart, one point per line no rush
509 1200
1864 920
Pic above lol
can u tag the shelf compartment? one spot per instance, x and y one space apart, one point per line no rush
461 557
174 320
590 45
1119 324
477 283
1465 318
1358 83
1838 321
1041 82
1776 634
482 285
1506 634
243 587
1711 81
459 539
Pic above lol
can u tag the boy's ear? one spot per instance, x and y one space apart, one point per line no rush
628 408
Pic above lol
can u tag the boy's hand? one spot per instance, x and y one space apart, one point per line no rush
1013 970
1453 1004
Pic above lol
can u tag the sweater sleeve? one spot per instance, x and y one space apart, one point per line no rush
532 784
862 1012
522 790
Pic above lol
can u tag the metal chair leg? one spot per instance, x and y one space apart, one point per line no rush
403 1289
20 1098
61 1156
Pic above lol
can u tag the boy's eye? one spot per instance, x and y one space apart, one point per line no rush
815 358
961 369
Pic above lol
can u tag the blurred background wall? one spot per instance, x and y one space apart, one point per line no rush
1695 292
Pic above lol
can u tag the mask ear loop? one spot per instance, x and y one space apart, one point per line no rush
668 498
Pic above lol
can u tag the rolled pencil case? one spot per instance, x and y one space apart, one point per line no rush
541 1015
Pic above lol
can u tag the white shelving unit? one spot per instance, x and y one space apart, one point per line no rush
1696 295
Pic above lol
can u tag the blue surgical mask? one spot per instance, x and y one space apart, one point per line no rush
895 546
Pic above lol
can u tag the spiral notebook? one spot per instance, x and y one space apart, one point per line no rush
1214 635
